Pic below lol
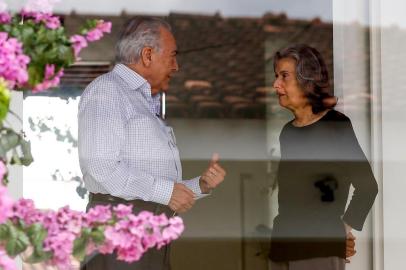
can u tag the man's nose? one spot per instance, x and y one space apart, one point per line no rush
175 65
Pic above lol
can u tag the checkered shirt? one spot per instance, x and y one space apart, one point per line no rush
125 149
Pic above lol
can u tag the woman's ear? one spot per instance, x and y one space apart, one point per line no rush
146 56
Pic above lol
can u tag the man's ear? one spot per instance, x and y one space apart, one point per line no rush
146 56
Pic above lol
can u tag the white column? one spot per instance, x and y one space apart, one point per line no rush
15 185
376 132
393 83
351 82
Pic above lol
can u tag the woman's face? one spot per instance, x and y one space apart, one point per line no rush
291 95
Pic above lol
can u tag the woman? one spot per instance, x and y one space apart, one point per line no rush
320 159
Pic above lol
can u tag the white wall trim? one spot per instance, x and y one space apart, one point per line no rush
376 133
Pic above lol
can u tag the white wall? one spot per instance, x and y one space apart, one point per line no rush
238 139
393 86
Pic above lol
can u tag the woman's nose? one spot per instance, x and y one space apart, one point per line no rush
276 83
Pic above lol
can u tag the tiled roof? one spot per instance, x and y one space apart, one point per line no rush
224 62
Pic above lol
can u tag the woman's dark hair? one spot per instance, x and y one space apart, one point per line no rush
312 75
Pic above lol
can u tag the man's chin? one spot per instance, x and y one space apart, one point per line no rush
164 89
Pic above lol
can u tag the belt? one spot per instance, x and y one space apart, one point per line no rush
138 205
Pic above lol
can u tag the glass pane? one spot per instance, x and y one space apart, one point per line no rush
222 100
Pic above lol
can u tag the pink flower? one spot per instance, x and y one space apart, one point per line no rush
5 17
50 21
53 22
61 245
22 208
6 204
173 231
50 221
97 32
131 254
145 215
70 220
107 247
151 238
78 43
91 247
104 26
13 62
129 235
160 220
118 237
122 210
50 79
6 263
176 224
94 34
98 214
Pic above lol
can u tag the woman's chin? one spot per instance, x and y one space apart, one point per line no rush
282 103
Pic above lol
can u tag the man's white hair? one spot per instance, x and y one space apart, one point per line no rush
138 33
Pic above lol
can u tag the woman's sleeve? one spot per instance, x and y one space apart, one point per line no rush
361 177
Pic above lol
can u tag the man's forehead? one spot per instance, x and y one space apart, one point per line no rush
168 40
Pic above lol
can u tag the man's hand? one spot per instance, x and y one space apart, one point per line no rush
182 198
349 243
213 176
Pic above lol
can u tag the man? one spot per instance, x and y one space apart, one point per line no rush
127 153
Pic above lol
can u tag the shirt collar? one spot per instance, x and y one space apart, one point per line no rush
136 82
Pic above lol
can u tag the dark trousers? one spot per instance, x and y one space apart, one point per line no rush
153 259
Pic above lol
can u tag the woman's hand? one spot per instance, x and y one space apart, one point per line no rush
349 243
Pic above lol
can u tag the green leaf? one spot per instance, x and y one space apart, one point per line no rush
79 247
26 34
6 27
38 256
51 36
21 223
9 139
37 234
4 232
27 157
97 235
17 242
15 159
34 73
4 99
3 153
41 48
5 181
66 52
15 32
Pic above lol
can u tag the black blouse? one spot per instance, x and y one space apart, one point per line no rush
318 164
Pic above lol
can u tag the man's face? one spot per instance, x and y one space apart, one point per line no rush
163 63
